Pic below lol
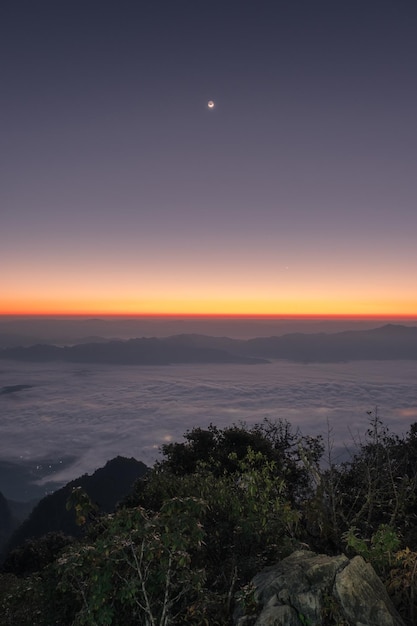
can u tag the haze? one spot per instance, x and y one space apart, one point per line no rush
27 330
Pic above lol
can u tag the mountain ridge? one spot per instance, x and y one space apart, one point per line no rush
387 342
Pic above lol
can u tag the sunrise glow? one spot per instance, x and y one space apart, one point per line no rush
290 308
127 197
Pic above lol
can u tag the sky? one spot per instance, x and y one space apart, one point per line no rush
121 192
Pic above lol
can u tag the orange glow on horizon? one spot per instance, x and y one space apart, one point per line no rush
212 308
184 286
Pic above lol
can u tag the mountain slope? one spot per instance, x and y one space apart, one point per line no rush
106 487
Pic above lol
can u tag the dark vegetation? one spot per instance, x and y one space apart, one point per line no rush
105 488
189 536
6 520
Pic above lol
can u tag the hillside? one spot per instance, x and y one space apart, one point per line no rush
106 486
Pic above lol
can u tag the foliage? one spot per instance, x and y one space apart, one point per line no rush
84 508
378 486
139 568
379 550
35 554
247 517
397 568
402 584
18 603
222 450
246 597
218 507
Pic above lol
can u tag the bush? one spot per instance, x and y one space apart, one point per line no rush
216 509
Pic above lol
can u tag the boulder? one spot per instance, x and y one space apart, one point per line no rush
316 589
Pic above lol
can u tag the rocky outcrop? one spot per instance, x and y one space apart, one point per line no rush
316 589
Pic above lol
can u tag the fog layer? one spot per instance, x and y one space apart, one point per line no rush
84 416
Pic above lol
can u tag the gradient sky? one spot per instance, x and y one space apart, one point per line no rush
121 192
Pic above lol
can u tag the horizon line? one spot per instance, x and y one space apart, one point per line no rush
98 315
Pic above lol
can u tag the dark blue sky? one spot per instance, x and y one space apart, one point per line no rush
121 191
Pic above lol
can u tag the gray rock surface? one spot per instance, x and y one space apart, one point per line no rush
316 589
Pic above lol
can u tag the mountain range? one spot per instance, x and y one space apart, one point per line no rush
389 342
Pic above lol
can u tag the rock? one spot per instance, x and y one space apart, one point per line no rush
360 591
316 589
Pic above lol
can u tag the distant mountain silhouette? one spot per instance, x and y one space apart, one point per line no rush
106 487
13 340
144 351
9 340
388 342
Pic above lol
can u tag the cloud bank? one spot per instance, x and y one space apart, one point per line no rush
95 413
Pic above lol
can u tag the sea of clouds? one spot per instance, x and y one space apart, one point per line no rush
83 416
